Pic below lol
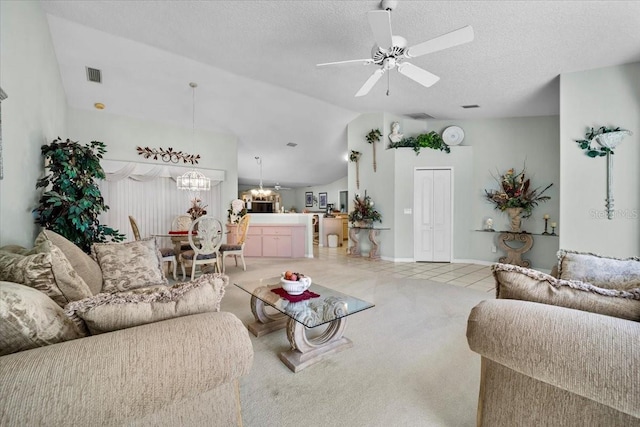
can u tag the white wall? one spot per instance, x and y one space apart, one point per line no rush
123 134
332 189
603 97
488 145
380 185
500 144
32 115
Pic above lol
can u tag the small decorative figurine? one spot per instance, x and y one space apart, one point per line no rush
488 224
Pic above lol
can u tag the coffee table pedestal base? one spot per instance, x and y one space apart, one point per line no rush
265 322
307 351
297 361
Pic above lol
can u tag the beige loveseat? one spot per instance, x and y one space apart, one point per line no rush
560 351
181 371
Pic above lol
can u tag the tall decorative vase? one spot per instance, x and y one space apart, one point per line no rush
514 216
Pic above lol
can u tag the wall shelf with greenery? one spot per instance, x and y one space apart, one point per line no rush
426 140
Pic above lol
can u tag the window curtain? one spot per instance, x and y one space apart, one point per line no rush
148 193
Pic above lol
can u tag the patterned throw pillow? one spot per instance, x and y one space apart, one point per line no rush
82 263
129 265
113 311
46 269
513 282
605 272
30 319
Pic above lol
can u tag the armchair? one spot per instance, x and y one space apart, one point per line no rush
560 351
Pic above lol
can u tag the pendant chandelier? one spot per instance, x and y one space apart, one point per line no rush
260 192
193 181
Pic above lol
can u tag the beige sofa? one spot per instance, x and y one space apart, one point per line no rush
178 372
549 357
175 362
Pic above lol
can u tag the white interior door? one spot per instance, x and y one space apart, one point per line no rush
432 215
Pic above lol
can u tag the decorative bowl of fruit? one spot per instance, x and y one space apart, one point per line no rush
295 283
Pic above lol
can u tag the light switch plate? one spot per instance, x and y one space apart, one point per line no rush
407 211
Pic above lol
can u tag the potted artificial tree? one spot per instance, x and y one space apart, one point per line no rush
71 205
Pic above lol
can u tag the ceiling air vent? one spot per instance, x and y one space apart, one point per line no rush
94 75
420 116
292 144
471 106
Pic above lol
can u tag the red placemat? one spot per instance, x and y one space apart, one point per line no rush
295 298
185 232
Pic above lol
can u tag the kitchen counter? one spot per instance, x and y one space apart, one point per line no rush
288 219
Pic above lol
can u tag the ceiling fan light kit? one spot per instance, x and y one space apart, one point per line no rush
391 51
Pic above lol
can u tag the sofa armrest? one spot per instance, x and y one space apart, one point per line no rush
125 374
592 355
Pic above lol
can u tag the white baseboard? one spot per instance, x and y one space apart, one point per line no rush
472 261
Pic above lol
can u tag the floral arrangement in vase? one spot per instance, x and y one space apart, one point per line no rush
516 196
236 211
196 210
363 211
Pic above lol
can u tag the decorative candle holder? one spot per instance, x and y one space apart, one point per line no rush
553 228
546 220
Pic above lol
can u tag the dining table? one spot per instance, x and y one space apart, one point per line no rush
179 238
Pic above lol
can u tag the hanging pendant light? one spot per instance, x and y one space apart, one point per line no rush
260 192
193 181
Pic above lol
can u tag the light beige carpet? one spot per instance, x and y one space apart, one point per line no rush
409 366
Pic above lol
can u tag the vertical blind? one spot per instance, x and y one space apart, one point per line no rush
152 203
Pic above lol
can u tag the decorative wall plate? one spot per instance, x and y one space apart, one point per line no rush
453 135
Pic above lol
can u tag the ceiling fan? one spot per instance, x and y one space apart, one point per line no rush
391 51
279 187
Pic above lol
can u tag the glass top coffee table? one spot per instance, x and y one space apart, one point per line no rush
329 308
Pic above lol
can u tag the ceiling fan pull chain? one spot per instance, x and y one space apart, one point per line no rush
388 82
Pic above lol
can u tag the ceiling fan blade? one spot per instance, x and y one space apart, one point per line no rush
417 74
349 62
454 38
380 22
371 81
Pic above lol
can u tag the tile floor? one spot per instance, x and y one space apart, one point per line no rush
473 276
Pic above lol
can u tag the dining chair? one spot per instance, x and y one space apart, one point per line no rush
181 223
205 245
237 248
168 254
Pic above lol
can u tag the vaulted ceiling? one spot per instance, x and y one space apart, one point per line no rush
255 65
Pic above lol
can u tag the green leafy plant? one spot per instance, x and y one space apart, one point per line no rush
72 205
374 136
426 140
593 149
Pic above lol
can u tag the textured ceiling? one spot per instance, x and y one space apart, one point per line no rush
255 61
